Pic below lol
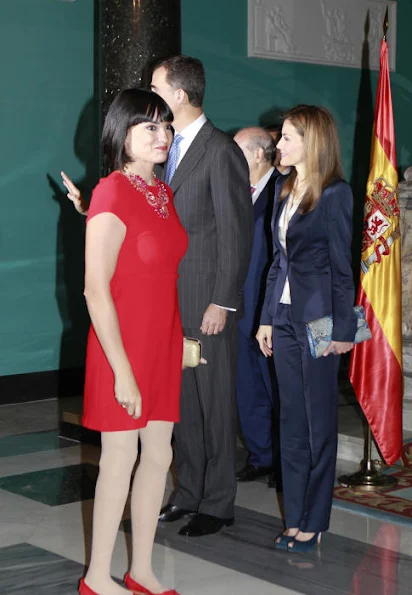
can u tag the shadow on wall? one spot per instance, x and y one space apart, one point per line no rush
70 255
273 116
361 151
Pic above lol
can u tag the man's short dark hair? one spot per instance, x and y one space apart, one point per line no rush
274 128
184 72
130 107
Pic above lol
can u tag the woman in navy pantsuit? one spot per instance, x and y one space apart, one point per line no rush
310 277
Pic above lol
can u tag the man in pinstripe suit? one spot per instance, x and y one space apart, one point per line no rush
212 198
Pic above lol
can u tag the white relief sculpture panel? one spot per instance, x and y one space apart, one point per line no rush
321 31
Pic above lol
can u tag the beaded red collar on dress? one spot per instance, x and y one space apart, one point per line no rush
158 202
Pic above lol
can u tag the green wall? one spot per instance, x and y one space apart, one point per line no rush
48 120
243 91
47 86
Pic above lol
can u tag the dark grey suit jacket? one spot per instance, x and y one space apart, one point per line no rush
212 198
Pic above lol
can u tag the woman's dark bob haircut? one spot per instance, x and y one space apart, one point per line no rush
130 107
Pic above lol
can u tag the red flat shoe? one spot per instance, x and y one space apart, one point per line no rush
84 589
132 585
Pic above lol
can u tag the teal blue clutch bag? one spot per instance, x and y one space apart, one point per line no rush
320 332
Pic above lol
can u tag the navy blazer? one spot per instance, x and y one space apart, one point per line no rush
261 257
317 262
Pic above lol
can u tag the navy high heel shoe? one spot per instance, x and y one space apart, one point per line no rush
303 547
282 540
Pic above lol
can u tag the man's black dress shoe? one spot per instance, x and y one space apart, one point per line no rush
204 524
170 513
274 482
252 472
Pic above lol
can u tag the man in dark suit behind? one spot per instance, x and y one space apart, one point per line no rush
256 387
212 198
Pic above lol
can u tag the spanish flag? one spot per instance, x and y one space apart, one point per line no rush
376 365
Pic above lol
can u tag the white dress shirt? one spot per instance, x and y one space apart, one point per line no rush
261 184
289 210
189 133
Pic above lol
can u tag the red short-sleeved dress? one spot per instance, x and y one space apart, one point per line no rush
144 292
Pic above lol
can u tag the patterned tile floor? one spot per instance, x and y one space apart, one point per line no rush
46 490
393 505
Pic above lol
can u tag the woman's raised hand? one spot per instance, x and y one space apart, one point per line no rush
264 338
74 194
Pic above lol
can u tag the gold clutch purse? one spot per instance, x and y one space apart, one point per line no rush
192 352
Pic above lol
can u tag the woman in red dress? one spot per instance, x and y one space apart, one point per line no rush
134 242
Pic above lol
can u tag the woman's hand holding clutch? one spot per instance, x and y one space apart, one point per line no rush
338 347
192 353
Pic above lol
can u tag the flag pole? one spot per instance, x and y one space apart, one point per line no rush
368 478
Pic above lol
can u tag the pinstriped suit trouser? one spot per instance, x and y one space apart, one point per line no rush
205 438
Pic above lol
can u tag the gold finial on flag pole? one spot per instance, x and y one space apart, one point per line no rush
386 23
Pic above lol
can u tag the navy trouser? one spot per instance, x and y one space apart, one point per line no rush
308 390
258 404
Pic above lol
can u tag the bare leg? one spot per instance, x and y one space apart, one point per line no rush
304 536
119 452
147 495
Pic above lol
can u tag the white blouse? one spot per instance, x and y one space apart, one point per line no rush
288 211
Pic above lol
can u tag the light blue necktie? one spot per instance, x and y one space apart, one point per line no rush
171 162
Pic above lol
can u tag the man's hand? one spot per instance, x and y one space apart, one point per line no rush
264 338
75 195
337 348
214 320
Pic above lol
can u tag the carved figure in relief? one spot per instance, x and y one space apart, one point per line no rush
376 16
278 32
335 23
336 42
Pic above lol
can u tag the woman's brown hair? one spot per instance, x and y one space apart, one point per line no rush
322 155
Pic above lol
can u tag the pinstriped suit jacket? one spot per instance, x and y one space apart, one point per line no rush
212 198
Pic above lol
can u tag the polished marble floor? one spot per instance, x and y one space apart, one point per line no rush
46 491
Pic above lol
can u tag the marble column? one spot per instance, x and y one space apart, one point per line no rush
405 204
134 35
